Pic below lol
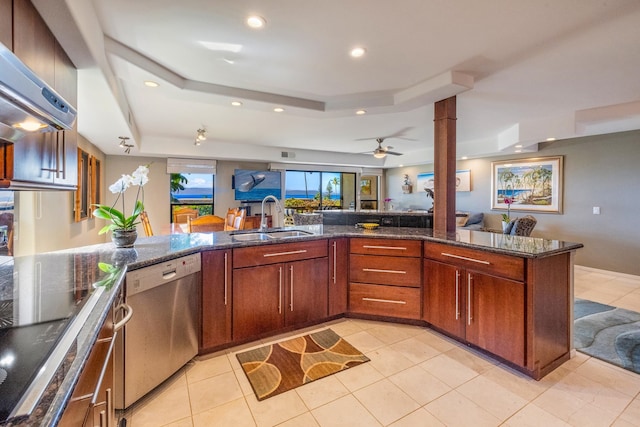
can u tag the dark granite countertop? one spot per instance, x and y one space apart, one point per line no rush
152 250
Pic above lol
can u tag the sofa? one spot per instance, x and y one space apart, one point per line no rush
470 220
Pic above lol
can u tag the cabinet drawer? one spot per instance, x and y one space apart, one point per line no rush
392 247
385 270
269 254
392 301
496 264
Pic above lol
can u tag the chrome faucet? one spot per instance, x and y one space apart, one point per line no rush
263 220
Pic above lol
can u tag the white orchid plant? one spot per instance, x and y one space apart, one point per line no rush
119 221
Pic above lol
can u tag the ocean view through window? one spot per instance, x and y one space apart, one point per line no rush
193 191
307 191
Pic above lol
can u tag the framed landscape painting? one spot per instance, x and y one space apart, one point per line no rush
533 185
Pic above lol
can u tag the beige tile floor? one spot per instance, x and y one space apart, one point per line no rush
416 377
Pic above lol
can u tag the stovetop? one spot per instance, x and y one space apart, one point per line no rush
38 300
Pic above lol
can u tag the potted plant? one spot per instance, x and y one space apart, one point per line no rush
506 218
123 228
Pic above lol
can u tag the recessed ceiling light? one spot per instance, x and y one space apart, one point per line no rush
229 61
278 109
519 146
150 83
236 103
464 158
518 151
358 52
256 21
361 112
551 139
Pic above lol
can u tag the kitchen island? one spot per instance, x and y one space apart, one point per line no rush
529 262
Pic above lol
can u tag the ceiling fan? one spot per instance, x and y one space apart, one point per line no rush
381 152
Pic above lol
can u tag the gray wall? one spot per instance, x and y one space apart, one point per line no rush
598 171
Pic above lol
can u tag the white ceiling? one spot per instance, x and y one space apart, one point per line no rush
522 71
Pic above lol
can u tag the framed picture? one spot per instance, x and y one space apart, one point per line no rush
533 185
365 187
463 180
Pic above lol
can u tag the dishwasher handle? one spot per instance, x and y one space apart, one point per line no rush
170 274
128 312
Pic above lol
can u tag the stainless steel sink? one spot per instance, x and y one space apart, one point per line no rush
282 234
275 234
247 237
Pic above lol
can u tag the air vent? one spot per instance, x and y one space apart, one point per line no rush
288 155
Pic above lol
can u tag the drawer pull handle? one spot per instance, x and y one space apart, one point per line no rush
390 301
301 251
375 270
397 248
479 261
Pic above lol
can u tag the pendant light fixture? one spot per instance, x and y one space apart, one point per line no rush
201 135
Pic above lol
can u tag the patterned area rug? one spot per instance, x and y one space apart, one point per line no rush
276 368
608 333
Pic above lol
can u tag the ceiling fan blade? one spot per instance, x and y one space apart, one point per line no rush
400 133
393 153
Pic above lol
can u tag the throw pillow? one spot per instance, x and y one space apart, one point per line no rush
461 221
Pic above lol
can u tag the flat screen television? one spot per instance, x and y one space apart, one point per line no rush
253 186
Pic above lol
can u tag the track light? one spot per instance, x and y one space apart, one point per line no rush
201 134
124 144
197 142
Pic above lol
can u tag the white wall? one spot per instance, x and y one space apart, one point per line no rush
598 171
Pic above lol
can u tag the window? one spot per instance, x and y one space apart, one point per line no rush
192 191
306 191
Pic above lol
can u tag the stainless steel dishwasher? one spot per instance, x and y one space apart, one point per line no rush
162 335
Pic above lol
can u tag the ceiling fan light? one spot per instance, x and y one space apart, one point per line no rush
379 154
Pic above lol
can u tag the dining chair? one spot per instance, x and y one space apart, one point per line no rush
146 224
231 217
181 215
205 224
238 221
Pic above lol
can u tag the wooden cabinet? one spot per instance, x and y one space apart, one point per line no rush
252 222
6 23
495 315
41 160
91 403
216 299
278 285
485 310
338 275
385 277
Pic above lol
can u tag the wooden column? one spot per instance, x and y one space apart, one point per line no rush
444 209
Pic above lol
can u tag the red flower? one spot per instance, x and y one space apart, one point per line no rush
508 200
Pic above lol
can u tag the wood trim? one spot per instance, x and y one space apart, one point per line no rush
444 215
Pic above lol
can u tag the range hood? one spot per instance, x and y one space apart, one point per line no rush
27 103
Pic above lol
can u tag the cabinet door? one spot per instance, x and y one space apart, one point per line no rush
306 291
216 298
66 148
444 299
338 252
6 23
33 43
33 158
495 315
257 300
